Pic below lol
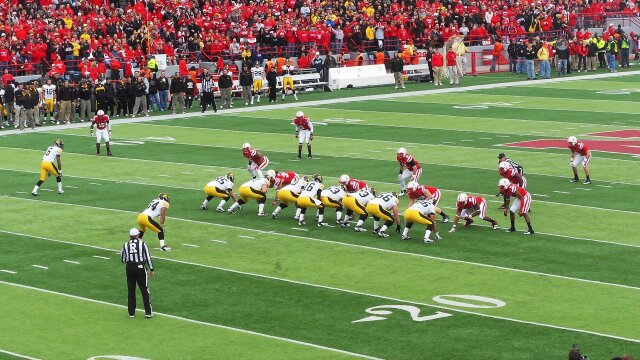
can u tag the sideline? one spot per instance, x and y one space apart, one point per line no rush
333 101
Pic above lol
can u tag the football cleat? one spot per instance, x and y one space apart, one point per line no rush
60 191
165 248
383 234
375 230
274 216
35 194
406 237
494 225
359 229
323 224
511 229
109 153
309 157
219 209
297 217
574 180
262 214
468 222
427 241
587 182
203 207
445 219
345 224
231 211
530 232
403 193
301 223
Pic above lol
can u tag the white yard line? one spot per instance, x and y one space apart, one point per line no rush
561 192
191 245
72 187
21 356
336 289
100 257
8 271
71 262
218 241
193 321
40 267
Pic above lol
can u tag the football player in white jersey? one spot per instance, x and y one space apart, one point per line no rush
252 189
49 96
220 187
331 197
384 207
310 198
47 167
357 202
421 212
157 208
258 75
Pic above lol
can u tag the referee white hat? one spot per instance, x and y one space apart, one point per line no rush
134 232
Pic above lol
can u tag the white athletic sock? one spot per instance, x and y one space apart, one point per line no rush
60 186
282 96
359 223
383 228
261 208
234 206
299 212
427 233
405 232
376 224
161 243
277 210
338 215
347 218
35 189
295 96
301 218
321 218
258 97
222 202
205 202
402 184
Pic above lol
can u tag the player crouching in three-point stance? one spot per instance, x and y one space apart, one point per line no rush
288 187
409 169
304 133
421 212
417 192
252 189
257 161
157 208
310 198
331 197
580 154
521 203
47 167
221 187
469 206
103 130
384 207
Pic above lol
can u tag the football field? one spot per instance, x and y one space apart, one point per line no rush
247 287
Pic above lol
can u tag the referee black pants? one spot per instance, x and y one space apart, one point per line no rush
206 100
137 274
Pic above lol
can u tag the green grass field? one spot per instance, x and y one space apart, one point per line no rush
243 287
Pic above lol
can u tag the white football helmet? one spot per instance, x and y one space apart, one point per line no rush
100 112
504 183
462 197
402 151
299 114
572 140
271 174
344 179
504 166
412 185
246 145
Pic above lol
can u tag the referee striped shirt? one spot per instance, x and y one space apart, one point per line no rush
207 85
135 251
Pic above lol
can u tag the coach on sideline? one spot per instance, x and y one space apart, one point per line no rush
135 254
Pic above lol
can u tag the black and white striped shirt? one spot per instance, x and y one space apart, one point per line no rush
207 85
516 166
135 251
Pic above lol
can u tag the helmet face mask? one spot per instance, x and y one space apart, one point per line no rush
164 196
230 177
59 143
317 177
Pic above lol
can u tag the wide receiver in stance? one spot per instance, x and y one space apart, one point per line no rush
257 161
580 154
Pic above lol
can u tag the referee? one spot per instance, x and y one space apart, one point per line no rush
207 86
135 254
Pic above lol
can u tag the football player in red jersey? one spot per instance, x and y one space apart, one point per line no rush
509 172
580 154
352 185
416 191
469 206
288 187
409 169
257 161
304 133
103 130
521 203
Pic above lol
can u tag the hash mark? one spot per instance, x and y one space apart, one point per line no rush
583 189
163 175
95 184
8 271
100 257
40 267
540 195
300 229
561 192
466 140
606 186
22 192
191 245
71 262
246 237
219 241
186 173
72 187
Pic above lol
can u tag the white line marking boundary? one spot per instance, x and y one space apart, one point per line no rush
17 355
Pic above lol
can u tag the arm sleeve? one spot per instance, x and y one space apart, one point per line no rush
148 256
